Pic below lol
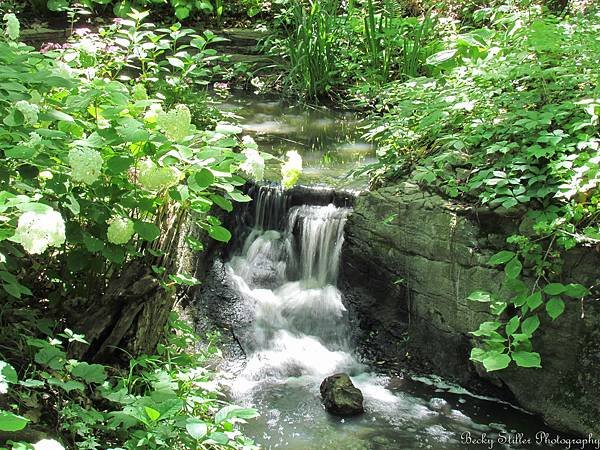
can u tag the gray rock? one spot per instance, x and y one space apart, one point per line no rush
340 396
440 251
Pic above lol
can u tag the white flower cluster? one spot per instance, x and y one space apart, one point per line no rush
48 444
120 230
30 111
13 28
176 123
86 164
254 165
291 169
155 178
37 231
34 140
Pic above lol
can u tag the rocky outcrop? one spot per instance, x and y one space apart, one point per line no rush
410 260
340 396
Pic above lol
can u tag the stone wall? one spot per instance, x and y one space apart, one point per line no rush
410 260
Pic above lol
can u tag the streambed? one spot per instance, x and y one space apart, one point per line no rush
281 274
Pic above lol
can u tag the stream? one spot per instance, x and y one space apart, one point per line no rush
283 270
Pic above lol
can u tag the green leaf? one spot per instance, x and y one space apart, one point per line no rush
12 422
501 257
496 361
91 373
153 414
513 325
196 429
529 325
222 202
239 197
576 290
176 62
555 288
203 179
146 230
8 374
231 411
486 328
480 296
51 357
513 268
555 307
534 300
478 354
527 359
219 233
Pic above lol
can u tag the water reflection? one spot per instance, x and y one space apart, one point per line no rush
329 141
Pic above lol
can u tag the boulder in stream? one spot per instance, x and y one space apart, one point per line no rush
340 396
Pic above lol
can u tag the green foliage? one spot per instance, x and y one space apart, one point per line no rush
509 121
333 46
166 400
311 37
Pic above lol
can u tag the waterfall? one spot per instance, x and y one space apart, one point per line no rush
287 270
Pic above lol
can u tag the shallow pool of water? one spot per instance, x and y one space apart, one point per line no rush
329 141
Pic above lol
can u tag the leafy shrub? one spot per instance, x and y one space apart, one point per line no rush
511 121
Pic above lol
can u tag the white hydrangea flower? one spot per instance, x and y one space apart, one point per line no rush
177 123
30 111
48 444
254 164
86 164
291 169
13 28
120 230
155 178
249 142
34 140
38 231
153 113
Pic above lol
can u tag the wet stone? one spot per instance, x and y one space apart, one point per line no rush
340 396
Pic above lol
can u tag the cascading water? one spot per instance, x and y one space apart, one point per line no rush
285 273
288 274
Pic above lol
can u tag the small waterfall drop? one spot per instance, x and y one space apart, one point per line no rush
287 269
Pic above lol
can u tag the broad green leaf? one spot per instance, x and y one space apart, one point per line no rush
239 197
513 268
576 290
527 359
477 354
555 307
146 230
222 202
8 374
51 357
529 325
555 288
534 300
90 373
496 361
176 62
12 422
153 414
502 257
203 179
231 411
513 325
219 233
